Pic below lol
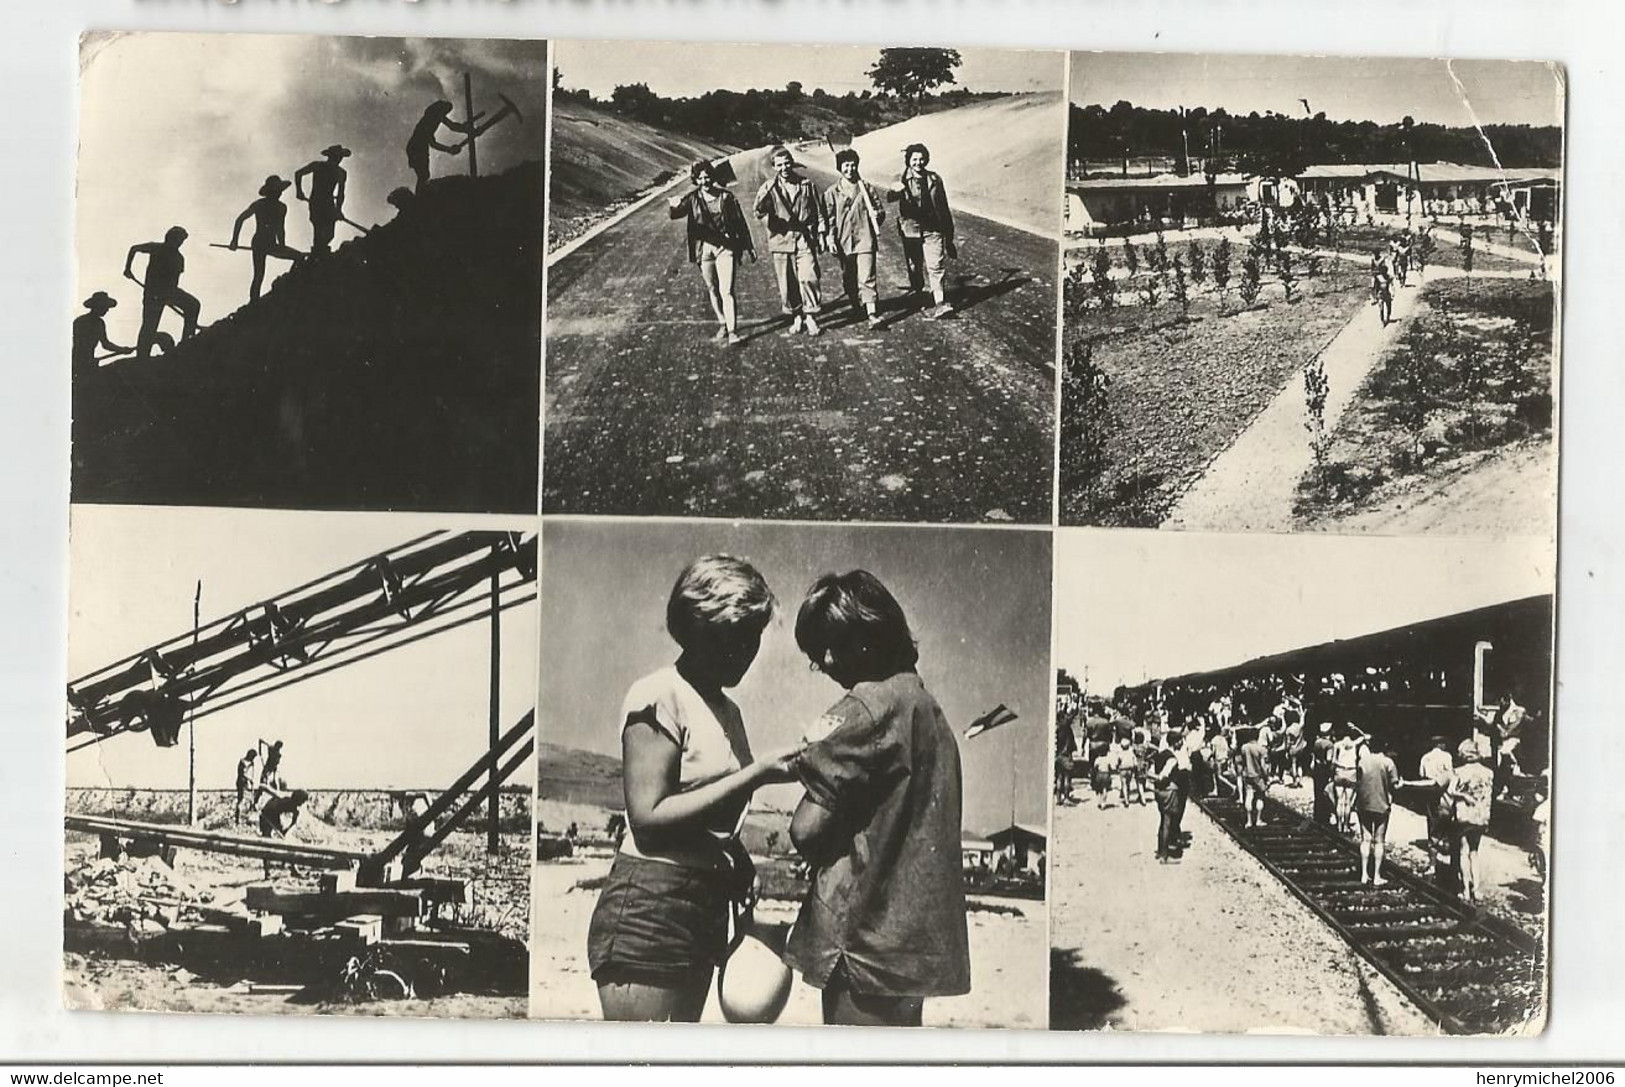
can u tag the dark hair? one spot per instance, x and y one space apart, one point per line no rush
846 154
921 148
299 796
702 166
855 618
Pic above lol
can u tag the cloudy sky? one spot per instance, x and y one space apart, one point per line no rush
1344 88
415 717
182 129
977 600
688 69
1135 605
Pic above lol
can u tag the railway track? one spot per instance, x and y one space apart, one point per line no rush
1469 973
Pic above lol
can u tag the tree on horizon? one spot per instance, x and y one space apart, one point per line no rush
911 74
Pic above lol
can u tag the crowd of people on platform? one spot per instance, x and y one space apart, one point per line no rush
1244 739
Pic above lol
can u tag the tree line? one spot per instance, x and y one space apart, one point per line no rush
1275 143
904 81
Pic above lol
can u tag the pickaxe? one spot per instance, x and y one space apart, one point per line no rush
139 282
250 248
496 118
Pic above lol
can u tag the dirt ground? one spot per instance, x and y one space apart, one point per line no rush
1209 944
1168 375
1007 957
501 903
97 983
1505 492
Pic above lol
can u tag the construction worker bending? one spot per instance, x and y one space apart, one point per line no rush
423 139
90 333
161 289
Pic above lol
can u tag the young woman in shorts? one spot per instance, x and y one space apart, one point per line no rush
660 928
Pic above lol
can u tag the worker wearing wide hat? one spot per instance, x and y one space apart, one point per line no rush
270 239
326 195
90 334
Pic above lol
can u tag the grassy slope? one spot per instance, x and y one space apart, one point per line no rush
600 159
1181 392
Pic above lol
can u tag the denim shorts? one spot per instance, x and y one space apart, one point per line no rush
658 922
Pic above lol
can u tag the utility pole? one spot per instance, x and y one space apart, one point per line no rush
191 724
1012 778
1185 142
1413 171
493 843
468 111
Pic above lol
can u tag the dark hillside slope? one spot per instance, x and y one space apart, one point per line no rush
401 372
601 159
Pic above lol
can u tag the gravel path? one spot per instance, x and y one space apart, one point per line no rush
1252 485
1210 944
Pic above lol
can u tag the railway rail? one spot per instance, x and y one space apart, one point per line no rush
1469 973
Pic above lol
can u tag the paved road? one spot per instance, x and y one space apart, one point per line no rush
922 420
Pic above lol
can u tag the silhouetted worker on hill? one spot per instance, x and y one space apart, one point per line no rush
400 198
423 139
270 239
326 196
90 333
161 289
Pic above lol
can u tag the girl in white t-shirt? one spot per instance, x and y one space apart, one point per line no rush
660 928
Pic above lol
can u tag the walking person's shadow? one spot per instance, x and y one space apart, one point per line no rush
975 290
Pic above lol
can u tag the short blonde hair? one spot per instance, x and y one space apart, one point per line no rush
718 590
